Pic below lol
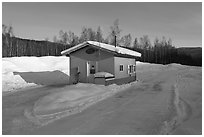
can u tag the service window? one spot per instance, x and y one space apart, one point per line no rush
134 68
121 67
92 70
131 68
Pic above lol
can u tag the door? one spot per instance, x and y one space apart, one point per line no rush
91 70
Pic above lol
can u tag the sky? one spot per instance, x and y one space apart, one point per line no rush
182 22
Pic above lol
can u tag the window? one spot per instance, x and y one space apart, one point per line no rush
121 68
92 70
134 68
90 50
131 68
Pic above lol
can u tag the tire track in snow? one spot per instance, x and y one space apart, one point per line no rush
44 119
180 109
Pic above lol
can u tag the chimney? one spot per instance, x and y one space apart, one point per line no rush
115 41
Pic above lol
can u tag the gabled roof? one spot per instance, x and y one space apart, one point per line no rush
117 49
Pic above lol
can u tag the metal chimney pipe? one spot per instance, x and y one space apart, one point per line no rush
115 41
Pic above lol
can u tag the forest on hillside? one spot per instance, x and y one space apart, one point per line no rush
161 51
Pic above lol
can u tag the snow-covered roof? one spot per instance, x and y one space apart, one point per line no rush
115 49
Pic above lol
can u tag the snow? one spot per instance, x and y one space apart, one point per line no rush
103 74
75 96
112 48
67 51
127 52
11 82
117 49
46 104
34 64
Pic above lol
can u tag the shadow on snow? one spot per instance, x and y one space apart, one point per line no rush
49 78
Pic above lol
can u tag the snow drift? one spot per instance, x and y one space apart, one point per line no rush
48 78
26 65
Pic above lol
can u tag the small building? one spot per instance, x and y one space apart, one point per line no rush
99 63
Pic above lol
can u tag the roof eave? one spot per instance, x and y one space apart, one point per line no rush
72 49
88 43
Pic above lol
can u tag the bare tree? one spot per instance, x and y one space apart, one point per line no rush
72 38
10 31
135 44
4 29
99 35
91 34
126 41
63 37
115 31
84 35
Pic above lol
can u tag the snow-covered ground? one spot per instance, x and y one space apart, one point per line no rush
12 82
41 105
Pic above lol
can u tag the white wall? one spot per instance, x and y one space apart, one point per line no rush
123 61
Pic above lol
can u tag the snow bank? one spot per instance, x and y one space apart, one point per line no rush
35 64
142 67
141 63
12 82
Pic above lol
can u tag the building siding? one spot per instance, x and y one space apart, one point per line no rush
103 61
125 62
106 65
96 56
78 62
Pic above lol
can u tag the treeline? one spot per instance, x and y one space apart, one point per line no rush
190 56
161 51
15 47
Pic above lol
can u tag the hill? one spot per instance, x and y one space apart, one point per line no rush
190 56
195 52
